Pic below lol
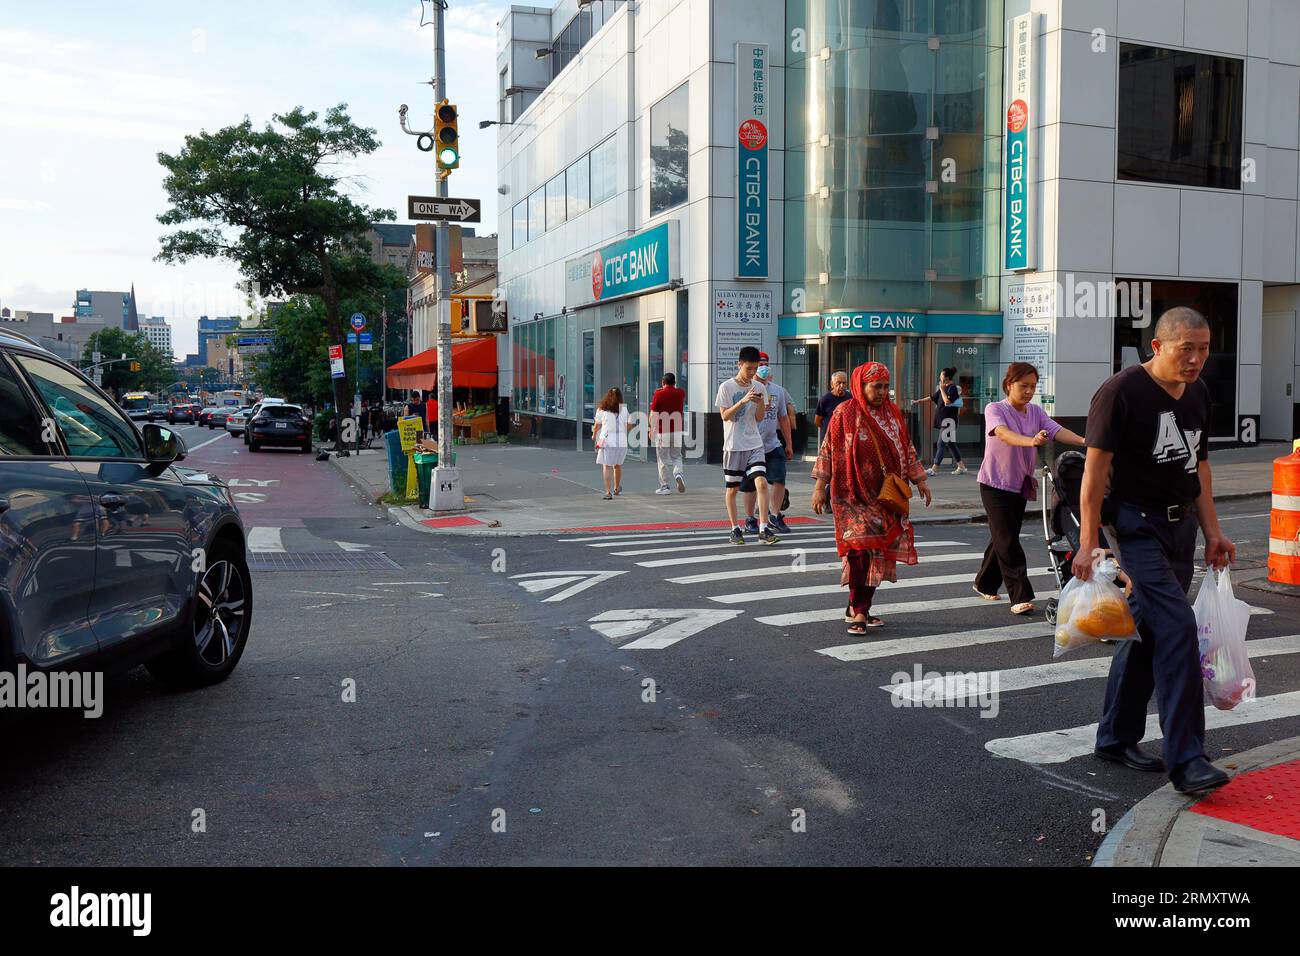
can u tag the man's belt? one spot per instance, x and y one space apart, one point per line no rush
1170 513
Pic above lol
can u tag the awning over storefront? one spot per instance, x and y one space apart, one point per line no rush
473 365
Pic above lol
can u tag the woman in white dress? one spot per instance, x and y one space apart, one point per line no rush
610 435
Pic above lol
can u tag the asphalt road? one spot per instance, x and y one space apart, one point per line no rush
496 722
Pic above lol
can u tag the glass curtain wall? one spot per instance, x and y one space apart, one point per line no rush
892 154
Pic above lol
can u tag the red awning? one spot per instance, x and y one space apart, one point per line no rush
473 365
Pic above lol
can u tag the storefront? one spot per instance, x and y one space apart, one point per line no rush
914 345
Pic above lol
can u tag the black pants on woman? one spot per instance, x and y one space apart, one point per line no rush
1004 559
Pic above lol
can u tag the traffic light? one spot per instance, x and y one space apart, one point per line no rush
135 366
446 135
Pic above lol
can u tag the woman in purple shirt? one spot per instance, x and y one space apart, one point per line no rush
1016 428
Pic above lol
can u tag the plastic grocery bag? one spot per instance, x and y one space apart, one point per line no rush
1221 620
1093 610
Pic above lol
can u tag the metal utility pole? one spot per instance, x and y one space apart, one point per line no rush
445 492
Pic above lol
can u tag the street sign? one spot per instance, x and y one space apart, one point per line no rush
366 342
336 361
352 338
358 321
442 209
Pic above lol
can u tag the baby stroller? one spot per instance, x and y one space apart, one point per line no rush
1061 531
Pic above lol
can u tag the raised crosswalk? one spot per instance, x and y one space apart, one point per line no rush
792 591
270 539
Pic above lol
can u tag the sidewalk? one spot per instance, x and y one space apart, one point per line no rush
532 489
1254 820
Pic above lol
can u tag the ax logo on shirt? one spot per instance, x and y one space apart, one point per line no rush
1173 444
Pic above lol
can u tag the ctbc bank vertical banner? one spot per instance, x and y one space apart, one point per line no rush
1018 205
752 89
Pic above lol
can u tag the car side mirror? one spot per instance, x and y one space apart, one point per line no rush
162 446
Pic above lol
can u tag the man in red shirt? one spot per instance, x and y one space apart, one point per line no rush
431 413
666 413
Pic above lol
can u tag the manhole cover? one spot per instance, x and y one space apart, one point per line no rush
321 561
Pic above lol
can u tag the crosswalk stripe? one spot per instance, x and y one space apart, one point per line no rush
937 642
731 552
772 594
809 568
681 535
265 540
717 545
1058 746
717 538
963 685
883 610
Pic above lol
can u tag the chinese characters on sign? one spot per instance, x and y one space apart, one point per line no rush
743 305
751 160
1018 208
1031 316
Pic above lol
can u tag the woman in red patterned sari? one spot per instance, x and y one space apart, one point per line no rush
870 539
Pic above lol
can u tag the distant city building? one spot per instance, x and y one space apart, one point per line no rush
158 332
114 308
65 339
474 274
217 328
390 244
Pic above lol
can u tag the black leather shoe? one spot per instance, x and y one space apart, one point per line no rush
1196 776
1130 756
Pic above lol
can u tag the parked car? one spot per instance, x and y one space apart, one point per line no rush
279 425
111 554
204 414
236 421
158 412
182 414
217 416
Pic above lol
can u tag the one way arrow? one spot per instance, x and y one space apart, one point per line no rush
619 624
537 581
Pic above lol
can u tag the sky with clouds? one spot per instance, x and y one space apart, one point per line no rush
91 92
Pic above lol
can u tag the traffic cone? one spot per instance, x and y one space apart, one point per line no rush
1284 521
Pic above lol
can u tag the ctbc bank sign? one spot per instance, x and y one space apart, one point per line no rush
641 263
752 91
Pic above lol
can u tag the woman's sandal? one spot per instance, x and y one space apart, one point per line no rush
874 621
858 627
1025 607
987 597
849 617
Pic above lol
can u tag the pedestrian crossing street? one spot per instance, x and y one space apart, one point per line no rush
793 588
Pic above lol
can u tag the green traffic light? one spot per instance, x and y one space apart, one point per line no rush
448 156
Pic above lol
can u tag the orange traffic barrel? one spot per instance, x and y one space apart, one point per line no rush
1284 522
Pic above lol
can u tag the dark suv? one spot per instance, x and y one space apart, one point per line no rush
110 554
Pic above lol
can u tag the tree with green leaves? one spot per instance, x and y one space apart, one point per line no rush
111 342
270 202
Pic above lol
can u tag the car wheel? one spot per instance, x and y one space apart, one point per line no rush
218 631
254 446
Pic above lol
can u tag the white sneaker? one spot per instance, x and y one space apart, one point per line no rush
663 490
932 471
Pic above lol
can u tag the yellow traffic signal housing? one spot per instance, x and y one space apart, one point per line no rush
135 366
446 136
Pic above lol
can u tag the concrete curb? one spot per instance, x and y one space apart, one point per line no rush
1142 835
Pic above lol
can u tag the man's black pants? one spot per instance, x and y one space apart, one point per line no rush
1157 555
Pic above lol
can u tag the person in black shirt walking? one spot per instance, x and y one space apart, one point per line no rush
1150 424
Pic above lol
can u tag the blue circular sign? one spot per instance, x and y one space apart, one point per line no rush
358 321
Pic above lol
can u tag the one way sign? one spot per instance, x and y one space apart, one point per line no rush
443 209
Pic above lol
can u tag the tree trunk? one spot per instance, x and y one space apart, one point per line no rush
334 327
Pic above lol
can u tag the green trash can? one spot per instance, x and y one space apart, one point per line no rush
424 465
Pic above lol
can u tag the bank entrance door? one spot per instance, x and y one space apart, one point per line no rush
979 376
902 355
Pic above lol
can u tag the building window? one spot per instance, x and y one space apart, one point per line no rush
519 223
555 211
578 186
1217 301
604 171
1180 117
669 150
537 214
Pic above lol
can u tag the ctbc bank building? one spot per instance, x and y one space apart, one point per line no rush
926 183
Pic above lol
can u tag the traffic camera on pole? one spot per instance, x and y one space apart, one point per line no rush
446 134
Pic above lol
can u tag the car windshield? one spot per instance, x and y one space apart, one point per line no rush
282 411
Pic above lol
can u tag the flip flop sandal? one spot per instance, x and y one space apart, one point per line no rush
848 614
858 627
987 597
874 621
1025 608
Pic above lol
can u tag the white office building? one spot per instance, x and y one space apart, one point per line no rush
158 332
928 183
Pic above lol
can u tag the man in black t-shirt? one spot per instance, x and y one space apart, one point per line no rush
837 396
1148 426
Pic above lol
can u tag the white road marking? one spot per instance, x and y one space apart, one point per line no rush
1058 746
938 642
809 568
718 538
350 546
773 594
265 541
249 497
537 581
718 545
685 622
205 444
750 550
883 610
962 685
1262 514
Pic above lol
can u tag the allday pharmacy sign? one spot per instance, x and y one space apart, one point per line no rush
641 263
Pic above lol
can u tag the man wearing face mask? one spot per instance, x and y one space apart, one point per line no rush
778 448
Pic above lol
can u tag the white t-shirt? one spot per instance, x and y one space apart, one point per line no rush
613 428
741 432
